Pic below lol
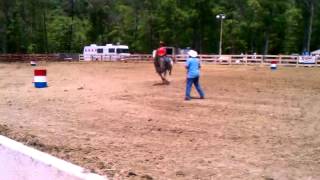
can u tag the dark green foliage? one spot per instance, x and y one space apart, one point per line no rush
261 26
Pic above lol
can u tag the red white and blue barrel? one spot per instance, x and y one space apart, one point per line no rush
40 78
33 63
273 65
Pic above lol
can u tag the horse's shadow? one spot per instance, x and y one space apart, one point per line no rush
161 84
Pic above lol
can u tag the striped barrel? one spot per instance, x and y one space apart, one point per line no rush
40 78
273 65
33 63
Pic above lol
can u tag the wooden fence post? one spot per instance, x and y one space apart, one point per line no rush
280 59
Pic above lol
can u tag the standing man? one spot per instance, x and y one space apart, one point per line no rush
193 73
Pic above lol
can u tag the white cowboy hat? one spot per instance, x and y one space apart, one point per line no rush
192 53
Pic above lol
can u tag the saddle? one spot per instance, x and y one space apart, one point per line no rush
163 64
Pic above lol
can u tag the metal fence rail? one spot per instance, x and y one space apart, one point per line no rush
133 57
235 59
249 59
38 57
284 60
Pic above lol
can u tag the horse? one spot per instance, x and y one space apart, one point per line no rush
163 65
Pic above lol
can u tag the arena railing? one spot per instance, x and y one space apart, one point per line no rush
133 57
285 60
39 57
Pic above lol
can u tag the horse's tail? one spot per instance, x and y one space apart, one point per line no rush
169 65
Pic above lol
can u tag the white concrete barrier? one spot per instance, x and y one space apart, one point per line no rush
19 162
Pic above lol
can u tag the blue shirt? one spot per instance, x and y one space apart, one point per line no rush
193 67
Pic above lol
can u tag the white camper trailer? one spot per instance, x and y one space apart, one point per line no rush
109 52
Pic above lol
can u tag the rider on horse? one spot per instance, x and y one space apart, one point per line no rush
162 62
163 59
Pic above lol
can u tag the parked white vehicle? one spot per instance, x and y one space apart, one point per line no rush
109 52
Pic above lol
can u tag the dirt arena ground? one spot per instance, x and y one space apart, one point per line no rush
117 120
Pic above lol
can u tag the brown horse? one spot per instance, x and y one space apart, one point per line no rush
163 65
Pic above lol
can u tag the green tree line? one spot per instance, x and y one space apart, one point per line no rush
261 26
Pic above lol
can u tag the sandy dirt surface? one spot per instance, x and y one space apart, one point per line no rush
117 120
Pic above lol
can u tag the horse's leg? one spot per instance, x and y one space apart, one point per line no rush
157 65
167 70
170 68
162 78
166 81
162 70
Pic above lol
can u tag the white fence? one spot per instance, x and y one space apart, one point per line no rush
102 58
223 59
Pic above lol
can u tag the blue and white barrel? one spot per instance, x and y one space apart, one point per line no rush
40 78
273 65
33 63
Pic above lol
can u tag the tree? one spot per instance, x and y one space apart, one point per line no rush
262 26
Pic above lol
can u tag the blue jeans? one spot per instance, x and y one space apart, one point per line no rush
194 81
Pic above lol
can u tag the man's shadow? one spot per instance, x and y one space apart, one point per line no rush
192 97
